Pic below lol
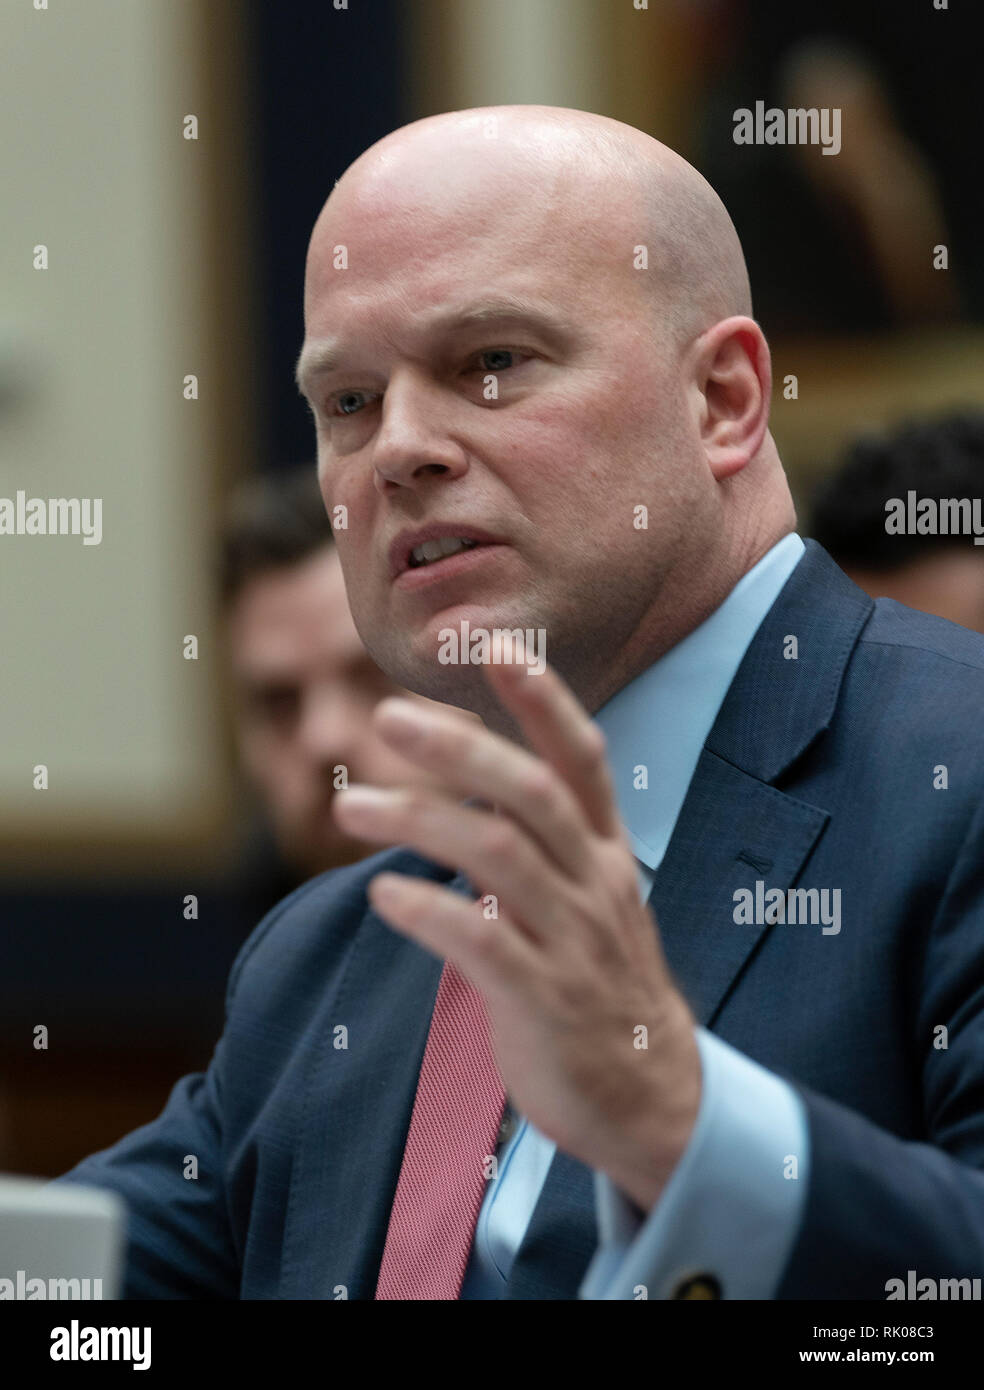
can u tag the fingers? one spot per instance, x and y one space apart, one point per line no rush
559 729
476 762
491 850
480 763
455 928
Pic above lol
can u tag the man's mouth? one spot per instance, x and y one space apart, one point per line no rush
442 543
430 551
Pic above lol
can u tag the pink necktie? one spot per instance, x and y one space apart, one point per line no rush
453 1131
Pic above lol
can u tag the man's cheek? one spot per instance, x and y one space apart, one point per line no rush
355 549
296 795
276 768
258 761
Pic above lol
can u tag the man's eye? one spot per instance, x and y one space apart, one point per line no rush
275 704
346 403
498 359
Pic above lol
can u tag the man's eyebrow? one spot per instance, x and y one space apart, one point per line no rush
316 357
322 355
497 310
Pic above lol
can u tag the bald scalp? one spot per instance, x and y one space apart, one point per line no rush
695 273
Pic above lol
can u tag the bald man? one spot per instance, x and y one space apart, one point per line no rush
677 994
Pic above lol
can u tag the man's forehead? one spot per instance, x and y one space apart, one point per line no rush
304 588
421 250
533 273
298 610
499 204
409 244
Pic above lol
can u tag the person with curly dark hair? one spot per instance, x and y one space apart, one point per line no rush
937 568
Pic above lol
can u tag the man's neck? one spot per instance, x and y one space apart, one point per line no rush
683 607
686 601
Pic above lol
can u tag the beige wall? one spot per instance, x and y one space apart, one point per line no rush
93 352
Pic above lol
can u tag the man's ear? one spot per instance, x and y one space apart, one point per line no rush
733 375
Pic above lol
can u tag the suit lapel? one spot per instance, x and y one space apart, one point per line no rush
735 828
731 832
786 689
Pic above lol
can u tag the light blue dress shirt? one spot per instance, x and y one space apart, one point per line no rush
726 1210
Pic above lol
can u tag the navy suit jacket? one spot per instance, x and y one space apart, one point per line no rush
819 772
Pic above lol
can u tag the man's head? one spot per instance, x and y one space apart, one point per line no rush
533 325
941 574
305 686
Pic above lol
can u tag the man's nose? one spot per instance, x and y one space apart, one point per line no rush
414 441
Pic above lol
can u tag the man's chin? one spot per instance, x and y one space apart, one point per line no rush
452 684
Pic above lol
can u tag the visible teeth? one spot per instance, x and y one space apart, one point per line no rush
436 550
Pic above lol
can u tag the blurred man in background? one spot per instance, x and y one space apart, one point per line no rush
304 687
937 573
